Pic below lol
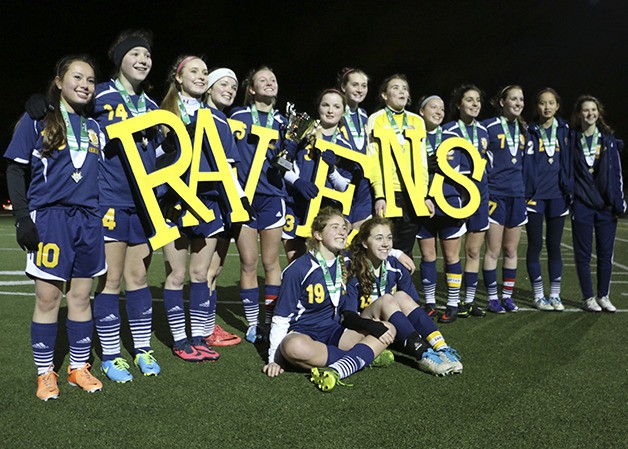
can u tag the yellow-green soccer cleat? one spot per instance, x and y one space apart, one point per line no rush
386 358
326 378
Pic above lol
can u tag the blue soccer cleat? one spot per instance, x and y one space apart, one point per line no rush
495 306
509 305
147 363
117 370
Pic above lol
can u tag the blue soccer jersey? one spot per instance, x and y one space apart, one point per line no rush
115 189
304 298
270 181
398 278
478 136
505 154
547 171
65 177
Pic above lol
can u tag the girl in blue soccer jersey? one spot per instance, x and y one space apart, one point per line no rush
306 331
186 95
381 288
598 199
465 106
331 106
223 87
53 184
261 89
507 210
395 95
354 84
448 230
548 190
126 245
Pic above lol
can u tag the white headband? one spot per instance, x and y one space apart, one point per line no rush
220 73
428 99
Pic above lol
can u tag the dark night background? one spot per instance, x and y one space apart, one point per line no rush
576 46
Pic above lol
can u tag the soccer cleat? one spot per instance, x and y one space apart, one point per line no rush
475 310
203 348
47 387
147 363
470 309
432 363
543 304
81 377
386 358
556 303
450 315
495 306
606 304
326 379
590 305
509 305
187 352
117 370
221 337
452 356
252 334
430 309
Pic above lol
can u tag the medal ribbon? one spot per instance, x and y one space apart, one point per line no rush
357 134
590 151
255 116
439 138
141 102
335 287
513 144
78 150
379 285
465 134
549 143
185 117
393 123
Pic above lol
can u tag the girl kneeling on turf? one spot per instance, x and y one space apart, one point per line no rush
306 329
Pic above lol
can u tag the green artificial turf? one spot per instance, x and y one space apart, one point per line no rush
531 379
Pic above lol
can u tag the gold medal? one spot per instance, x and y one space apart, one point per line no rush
76 176
591 170
514 160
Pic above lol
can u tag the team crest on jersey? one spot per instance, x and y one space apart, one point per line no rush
484 143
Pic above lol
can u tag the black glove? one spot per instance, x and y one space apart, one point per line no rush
432 165
247 207
26 234
290 147
308 190
37 106
170 206
329 157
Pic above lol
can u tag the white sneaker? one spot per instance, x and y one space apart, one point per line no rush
556 303
543 304
590 305
606 304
